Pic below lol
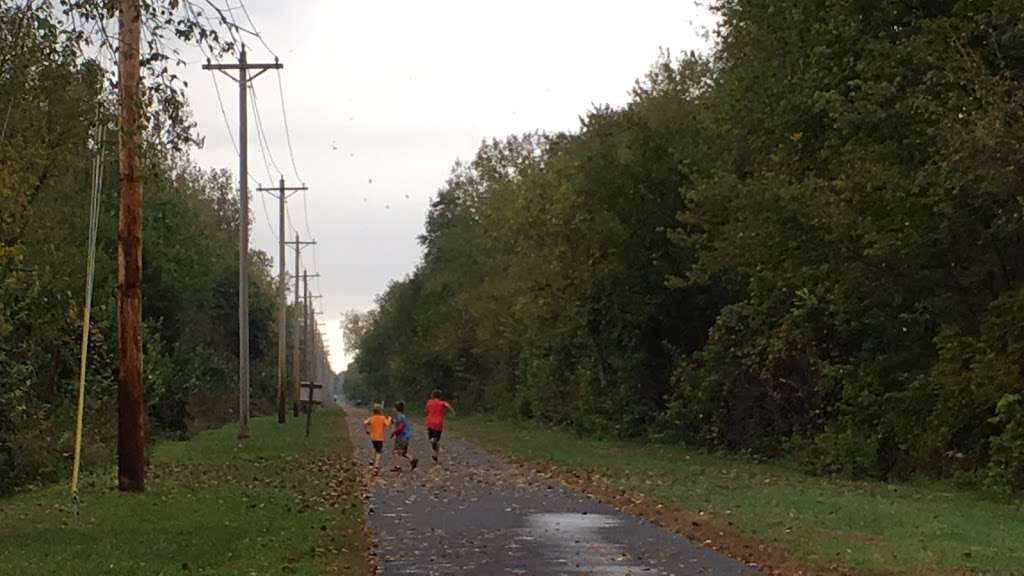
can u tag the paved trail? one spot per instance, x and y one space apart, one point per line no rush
478 514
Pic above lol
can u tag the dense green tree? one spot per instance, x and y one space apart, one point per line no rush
808 241
51 99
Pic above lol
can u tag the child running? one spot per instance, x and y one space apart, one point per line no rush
435 420
375 426
402 435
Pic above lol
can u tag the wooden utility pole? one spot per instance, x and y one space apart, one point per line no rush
243 67
307 327
314 351
321 356
282 303
307 334
297 400
296 391
131 445
311 336
307 330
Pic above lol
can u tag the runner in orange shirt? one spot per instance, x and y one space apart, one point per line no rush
376 426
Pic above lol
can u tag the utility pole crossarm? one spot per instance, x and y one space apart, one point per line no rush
284 189
243 66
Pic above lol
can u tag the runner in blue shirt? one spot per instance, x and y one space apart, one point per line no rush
402 435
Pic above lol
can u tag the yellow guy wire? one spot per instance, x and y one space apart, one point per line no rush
97 185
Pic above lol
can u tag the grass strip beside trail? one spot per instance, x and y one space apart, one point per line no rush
277 503
837 526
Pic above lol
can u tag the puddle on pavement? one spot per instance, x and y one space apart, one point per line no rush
573 521
575 541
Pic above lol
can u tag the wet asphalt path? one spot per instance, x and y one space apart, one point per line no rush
477 514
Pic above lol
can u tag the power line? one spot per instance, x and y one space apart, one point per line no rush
260 140
316 268
261 136
223 112
101 24
287 129
284 116
266 213
261 133
231 26
305 208
255 32
288 214
191 9
227 123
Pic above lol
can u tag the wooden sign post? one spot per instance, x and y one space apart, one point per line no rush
310 402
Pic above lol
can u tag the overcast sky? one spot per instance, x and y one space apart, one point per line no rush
383 97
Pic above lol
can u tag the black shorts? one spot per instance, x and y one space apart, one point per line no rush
378 446
434 435
401 446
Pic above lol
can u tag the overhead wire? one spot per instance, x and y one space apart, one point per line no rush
305 209
316 269
223 112
262 144
227 124
261 134
287 129
266 213
261 138
231 26
288 217
284 114
255 32
226 16
191 8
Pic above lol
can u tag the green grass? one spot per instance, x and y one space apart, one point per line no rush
864 527
278 503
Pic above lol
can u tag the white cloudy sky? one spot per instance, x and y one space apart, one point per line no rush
383 97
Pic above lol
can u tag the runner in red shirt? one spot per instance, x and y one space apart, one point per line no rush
435 420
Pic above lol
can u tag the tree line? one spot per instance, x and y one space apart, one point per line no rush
51 99
806 243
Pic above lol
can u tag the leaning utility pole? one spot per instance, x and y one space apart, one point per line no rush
297 390
243 80
282 303
131 445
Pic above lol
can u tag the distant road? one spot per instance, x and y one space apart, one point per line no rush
477 514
